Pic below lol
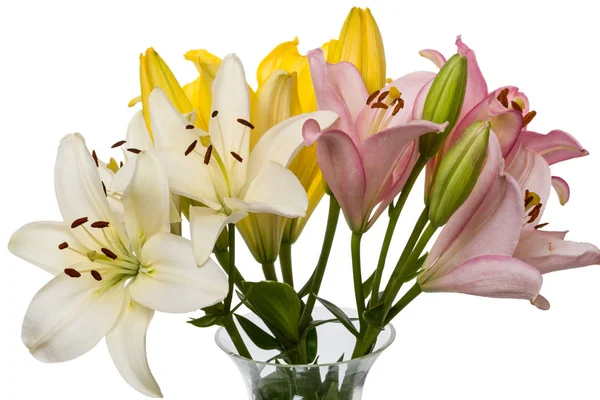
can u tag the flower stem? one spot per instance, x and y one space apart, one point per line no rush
412 294
357 276
269 271
231 267
317 279
285 261
223 259
236 338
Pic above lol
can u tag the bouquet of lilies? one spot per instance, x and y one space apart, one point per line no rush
229 158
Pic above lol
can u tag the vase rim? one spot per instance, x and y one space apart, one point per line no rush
376 353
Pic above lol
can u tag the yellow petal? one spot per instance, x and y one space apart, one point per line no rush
361 44
199 92
205 61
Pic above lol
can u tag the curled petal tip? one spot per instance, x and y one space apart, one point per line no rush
311 131
541 302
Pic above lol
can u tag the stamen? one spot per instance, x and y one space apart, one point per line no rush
121 164
72 273
535 212
118 144
528 200
380 105
541 225
63 245
100 224
95 157
208 154
503 97
134 151
237 156
214 113
372 96
383 95
109 253
104 188
189 126
78 222
96 275
528 117
516 106
399 106
191 147
245 123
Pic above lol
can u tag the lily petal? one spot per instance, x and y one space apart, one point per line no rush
562 189
548 252
171 281
127 346
434 56
206 225
38 243
138 136
69 316
476 86
555 147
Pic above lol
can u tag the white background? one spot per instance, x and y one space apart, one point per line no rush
73 66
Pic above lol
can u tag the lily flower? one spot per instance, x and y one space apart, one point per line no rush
218 170
109 276
474 252
368 153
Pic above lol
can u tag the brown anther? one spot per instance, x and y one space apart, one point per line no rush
191 147
399 106
109 253
528 117
503 97
121 164
237 156
380 105
383 95
214 113
118 144
528 200
541 225
104 188
245 123
534 213
78 222
96 275
516 106
189 126
207 155
63 245
372 96
73 273
95 157
100 224
134 151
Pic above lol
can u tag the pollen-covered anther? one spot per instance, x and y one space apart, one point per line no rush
121 164
73 273
190 126
104 189
379 105
208 154
95 157
96 275
540 226
118 144
383 95
237 156
372 96
63 245
214 113
399 106
528 117
100 224
79 222
503 97
108 253
245 123
191 148
134 150
516 106
534 213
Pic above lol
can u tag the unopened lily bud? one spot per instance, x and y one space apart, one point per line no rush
444 102
458 173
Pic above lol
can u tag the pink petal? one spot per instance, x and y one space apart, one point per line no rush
547 252
343 171
434 56
556 146
562 189
491 276
476 86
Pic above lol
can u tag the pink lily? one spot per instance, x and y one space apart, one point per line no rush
367 155
473 254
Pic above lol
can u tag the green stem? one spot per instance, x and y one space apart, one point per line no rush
395 212
408 297
317 279
414 236
236 338
285 261
231 267
357 276
223 259
269 271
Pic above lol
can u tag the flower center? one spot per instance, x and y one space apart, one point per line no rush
517 104
533 207
386 105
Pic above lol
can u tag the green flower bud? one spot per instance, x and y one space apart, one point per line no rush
458 173
444 102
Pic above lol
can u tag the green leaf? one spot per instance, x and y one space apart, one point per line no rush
217 309
278 305
332 393
340 315
375 316
312 345
258 336
276 385
367 285
206 321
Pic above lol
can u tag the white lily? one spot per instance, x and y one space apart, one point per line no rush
218 170
109 276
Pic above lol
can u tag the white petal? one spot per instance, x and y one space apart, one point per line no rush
123 176
171 281
276 190
282 142
231 101
38 242
69 316
206 225
138 136
127 346
146 201
188 176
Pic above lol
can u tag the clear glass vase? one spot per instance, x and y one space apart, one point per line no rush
332 377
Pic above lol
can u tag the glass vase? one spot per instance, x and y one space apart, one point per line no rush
333 375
